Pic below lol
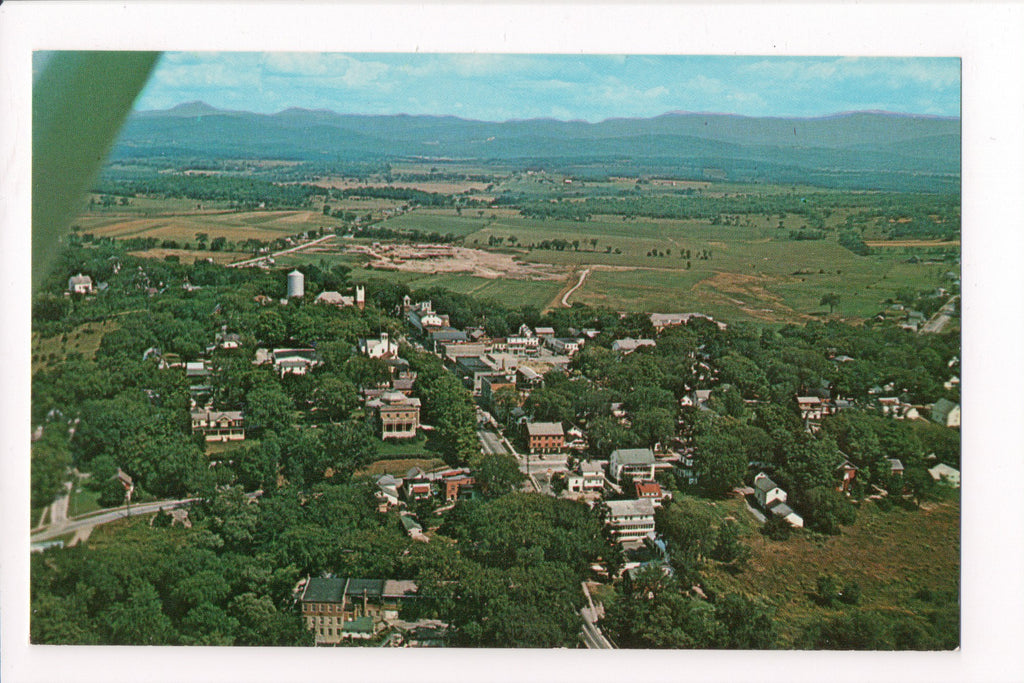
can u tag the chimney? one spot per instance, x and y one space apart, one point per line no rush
360 297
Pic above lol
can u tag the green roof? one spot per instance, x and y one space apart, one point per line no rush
324 590
371 587
358 625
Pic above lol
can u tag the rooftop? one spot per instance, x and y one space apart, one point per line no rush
633 456
324 590
545 429
620 508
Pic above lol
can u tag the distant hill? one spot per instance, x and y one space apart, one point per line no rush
851 148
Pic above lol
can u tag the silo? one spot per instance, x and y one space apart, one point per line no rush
296 284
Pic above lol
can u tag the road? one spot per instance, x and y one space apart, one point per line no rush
591 633
583 276
492 444
938 322
105 516
300 247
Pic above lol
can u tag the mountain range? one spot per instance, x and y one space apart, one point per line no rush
848 145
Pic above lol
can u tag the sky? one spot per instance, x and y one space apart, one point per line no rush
499 87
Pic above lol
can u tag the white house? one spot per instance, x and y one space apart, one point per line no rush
294 361
638 463
80 284
378 348
589 478
767 491
629 520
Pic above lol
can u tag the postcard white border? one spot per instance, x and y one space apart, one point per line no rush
987 37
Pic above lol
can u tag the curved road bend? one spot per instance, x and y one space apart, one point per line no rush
583 276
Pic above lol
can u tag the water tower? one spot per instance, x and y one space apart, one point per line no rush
296 284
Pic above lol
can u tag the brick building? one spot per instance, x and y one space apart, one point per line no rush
545 437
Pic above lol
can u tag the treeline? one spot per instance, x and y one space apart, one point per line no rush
406 194
815 206
243 191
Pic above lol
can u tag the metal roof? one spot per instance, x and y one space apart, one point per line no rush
324 590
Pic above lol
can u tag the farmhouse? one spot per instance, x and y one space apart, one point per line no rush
80 284
214 425
637 463
629 520
545 437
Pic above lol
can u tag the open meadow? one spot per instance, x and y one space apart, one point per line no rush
905 562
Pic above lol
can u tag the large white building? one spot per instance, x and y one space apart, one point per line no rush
629 520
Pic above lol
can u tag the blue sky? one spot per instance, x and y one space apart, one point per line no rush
496 87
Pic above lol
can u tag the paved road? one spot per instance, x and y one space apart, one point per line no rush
583 276
254 261
491 443
105 516
938 322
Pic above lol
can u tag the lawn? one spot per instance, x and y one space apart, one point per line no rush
83 500
407 448
892 555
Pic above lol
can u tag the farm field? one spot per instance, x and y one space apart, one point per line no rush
894 556
232 225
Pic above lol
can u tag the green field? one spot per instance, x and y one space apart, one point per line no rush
746 268
754 273
892 555
84 339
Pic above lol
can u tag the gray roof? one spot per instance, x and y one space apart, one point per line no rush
765 484
633 456
641 506
449 335
780 509
545 429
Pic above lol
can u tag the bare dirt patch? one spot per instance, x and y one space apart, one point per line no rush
432 258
